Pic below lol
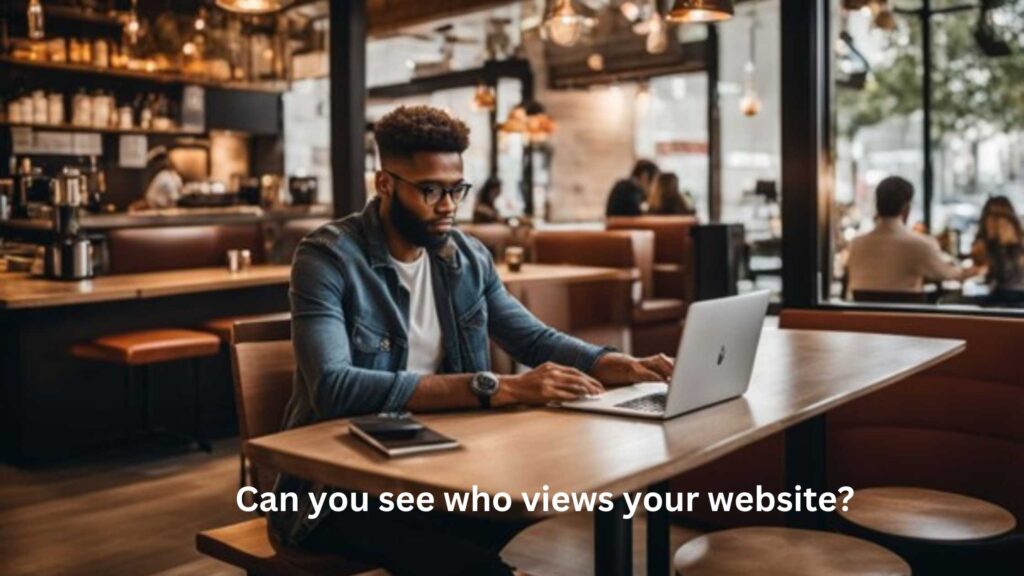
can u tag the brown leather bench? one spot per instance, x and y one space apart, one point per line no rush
956 427
656 323
134 250
673 252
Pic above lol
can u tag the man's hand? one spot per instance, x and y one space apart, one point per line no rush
615 368
548 382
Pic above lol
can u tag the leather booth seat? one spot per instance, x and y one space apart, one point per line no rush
957 427
656 323
674 257
135 250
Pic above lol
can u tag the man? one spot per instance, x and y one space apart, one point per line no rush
627 196
392 309
891 258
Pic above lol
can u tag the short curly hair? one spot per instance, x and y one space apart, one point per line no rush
410 129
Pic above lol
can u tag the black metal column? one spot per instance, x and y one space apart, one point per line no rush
658 541
806 164
348 105
926 105
805 468
714 120
613 541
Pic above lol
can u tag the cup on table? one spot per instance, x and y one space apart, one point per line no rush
234 260
514 258
245 259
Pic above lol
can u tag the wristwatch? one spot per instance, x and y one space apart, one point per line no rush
484 385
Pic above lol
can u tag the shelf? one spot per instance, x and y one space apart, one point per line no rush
114 130
79 15
275 86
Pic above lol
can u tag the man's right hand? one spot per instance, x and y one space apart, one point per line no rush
548 382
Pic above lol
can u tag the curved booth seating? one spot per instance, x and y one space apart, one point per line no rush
134 250
656 323
674 256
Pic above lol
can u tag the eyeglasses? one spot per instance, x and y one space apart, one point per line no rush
433 192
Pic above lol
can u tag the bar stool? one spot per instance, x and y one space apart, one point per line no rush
222 327
937 532
770 551
139 350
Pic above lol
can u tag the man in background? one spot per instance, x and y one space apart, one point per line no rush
628 196
892 258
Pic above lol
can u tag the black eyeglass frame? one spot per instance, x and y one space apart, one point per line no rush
457 192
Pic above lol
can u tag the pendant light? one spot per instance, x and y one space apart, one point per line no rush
253 6
35 20
693 11
750 103
132 26
564 25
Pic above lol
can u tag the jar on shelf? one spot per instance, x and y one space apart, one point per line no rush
124 117
14 111
55 108
100 53
25 103
101 103
74 51
82 109
39 107
86 52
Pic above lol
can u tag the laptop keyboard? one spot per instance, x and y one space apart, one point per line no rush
652 403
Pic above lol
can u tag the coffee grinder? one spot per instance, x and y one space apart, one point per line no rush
69 255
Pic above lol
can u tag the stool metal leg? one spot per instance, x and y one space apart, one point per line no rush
201 440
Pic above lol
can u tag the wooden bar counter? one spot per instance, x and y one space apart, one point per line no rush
53 405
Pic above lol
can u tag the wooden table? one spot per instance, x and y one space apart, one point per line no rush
798 376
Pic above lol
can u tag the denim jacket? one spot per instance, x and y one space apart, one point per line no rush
349 330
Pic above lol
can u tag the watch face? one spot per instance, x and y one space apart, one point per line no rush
485 383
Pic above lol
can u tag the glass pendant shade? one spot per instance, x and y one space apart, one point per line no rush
564 25
692 11
253 6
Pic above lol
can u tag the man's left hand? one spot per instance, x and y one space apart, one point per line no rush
615 368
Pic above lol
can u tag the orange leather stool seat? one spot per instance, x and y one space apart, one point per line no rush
148 346
768 551
927 515
221 327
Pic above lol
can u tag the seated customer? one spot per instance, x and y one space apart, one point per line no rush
891 258
484 211
627 196
999 247
392 310
666 199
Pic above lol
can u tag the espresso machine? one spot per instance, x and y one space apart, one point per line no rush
69 255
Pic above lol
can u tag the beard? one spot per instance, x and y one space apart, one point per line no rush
415 231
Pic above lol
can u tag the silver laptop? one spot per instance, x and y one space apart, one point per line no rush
714 362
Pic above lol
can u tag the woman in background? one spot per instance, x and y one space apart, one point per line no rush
1000 247
666 198
485 211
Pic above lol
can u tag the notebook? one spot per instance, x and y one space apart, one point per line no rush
399 435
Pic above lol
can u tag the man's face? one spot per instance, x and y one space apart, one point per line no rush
404 205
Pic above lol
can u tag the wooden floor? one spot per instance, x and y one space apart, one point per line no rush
120 515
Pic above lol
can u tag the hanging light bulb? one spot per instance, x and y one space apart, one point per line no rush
690 11
595 62
35 20
564 25
132 26
630 10
200 23
484 98
657 34
750 103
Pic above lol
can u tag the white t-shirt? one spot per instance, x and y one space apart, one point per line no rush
426 349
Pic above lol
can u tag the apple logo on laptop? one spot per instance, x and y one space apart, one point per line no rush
721 355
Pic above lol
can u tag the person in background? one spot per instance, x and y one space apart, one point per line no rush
999 246
164 185
666 198
627 196
484 211
892 258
